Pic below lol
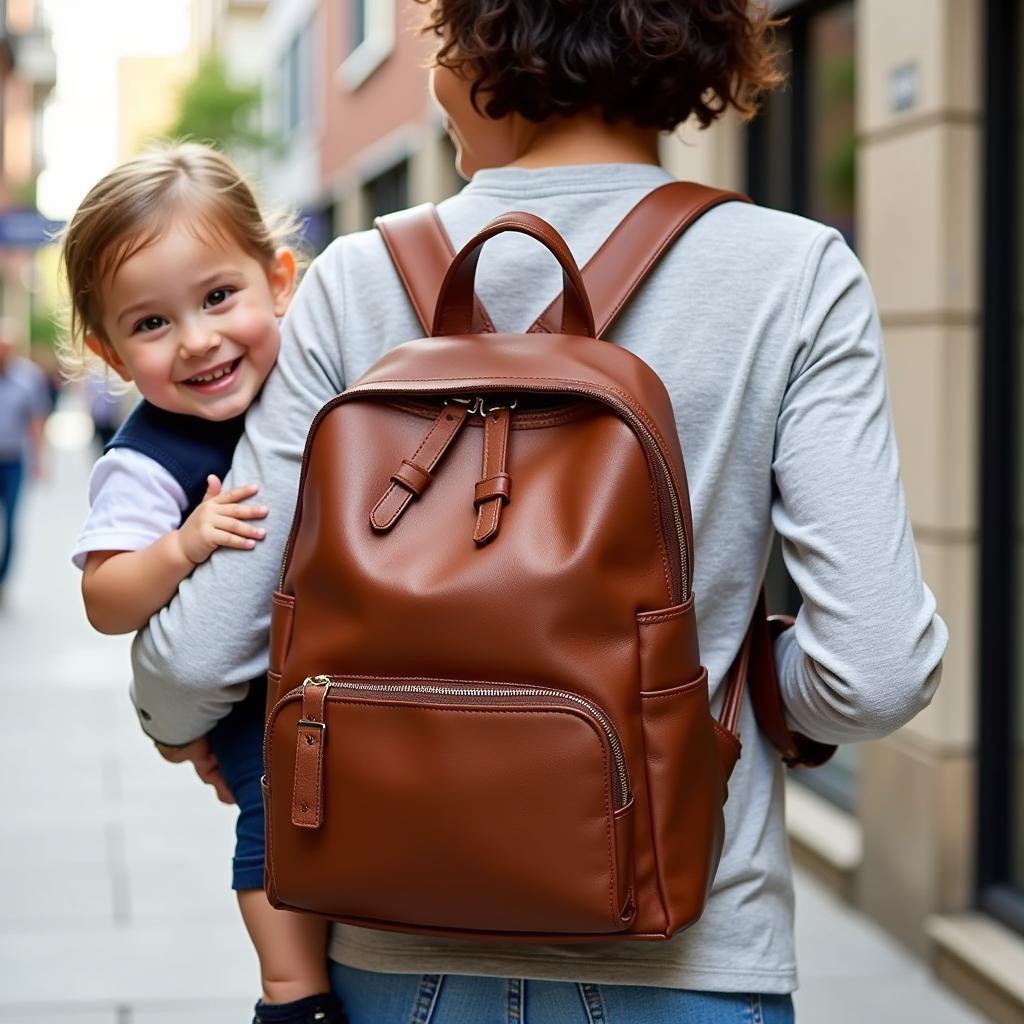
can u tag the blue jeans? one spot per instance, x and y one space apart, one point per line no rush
372 998
11 474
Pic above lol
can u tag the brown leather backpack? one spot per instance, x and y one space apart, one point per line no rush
487 713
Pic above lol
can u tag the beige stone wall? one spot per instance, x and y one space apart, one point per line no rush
713 156
919 215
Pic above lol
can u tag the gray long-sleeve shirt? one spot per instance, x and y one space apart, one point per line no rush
764 329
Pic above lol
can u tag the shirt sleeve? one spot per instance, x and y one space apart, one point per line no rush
133 501
192 661
865 655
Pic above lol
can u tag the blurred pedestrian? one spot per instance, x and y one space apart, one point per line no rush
24 406
105 408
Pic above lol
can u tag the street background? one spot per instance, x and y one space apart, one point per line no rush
901 126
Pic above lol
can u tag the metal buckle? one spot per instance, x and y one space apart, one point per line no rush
326 683
485 409
472 404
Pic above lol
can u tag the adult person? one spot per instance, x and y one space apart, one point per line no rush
24 406
763 328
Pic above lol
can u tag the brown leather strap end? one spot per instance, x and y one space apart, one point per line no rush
414 475
495 489
766 694
308 785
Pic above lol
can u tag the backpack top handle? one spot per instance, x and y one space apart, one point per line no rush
454 313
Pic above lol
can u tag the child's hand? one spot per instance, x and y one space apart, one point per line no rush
205 764
220 521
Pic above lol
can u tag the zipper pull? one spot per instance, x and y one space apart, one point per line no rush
414 475
495 489
308 783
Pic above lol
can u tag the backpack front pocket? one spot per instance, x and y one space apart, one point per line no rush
449 805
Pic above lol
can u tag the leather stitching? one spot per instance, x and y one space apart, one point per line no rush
726 734
665 614
414 298
682 690
389 521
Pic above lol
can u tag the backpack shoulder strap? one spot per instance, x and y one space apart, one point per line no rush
628 254
421 251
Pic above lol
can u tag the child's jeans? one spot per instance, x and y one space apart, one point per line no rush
372 998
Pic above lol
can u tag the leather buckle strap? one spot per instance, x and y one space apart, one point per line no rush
308 783
494 490
756 662
414 474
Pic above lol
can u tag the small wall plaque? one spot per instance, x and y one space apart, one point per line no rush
904 87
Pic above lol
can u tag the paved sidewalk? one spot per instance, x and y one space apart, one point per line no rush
114 899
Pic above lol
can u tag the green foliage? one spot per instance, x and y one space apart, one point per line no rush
213 109
43 328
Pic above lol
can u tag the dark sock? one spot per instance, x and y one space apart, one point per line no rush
320 1009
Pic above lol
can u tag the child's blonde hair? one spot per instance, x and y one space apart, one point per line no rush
130 208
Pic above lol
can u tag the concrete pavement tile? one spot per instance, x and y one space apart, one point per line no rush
834 941
895 1000
66 775
188 889
210 843
35 898
59 1015
166 815
228 1012
54 845
149 965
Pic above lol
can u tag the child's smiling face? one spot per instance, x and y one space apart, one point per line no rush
191 318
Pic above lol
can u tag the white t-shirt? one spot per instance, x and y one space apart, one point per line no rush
133 501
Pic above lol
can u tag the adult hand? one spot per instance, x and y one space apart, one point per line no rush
201 755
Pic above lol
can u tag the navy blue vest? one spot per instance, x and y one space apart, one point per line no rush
189 448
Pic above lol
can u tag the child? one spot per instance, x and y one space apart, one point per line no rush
177 282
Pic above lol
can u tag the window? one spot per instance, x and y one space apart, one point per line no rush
1001 706
370 38
388 191
801 149
357 24
297 82
801 157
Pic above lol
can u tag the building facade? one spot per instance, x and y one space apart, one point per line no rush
901 127
27 77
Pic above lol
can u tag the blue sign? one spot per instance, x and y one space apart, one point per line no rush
26 229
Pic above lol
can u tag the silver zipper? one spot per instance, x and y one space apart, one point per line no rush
434 689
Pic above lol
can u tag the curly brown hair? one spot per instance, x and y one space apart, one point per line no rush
652 62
